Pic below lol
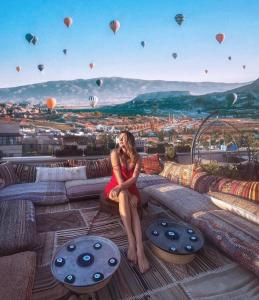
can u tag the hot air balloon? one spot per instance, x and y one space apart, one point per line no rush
29 37
34 40
91 65
93 101
65 51
179 18
231 99
18 68
229 58
143 44
220 37
206 71
68 21
41 67
51 103
115 25
174 55
244 66
99 82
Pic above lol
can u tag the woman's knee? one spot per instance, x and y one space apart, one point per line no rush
123 195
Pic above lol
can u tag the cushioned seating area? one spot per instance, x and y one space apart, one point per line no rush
246 209
236 236
17 274
88 188
17 226
41 193
183 201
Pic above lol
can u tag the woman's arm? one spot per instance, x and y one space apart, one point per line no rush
116 166
126 184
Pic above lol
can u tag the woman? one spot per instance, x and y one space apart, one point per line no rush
122 189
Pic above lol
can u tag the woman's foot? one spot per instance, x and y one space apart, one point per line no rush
132 255
143 263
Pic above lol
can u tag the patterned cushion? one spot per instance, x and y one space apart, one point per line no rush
17 273
17 226
178 173
27 173
151 164
181 200
145 180
245 208
234 235
245 189
7 175
201 181
41 193
60 174
94 168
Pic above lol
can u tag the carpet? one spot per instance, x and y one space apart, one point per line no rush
211 275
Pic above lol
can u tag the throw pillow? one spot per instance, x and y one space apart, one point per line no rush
7 175
151 164
60 174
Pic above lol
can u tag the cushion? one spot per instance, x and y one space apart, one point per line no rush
41 193
7 175
60 174
151 164
17 226
181 200
17 273
27 173
201 181
145 180
178 173
234 235
95 168
245 189
245 208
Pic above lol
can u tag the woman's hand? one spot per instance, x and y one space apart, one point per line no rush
115 191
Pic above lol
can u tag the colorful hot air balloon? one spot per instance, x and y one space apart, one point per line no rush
244 66
41 67
29 37
91 65
18 68
143 44
115 25
179 18
206 71
220 37
229 58
65 51
99 82
174 55
68 21
51 103
93 101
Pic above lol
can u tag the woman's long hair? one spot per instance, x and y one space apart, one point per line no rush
130 147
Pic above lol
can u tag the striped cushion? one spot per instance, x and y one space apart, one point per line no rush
242 207
201 181
178 173
17 226
94 168
60 174
27 173
7 175
17 274
245 189
151 164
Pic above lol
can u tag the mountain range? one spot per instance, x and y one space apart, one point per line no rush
115 90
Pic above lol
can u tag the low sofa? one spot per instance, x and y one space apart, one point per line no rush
226 211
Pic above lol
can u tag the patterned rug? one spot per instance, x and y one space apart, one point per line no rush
211 275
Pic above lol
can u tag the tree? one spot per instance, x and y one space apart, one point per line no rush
161 136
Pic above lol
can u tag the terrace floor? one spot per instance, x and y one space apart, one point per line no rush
211 275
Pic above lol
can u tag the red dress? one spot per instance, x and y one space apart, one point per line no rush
126 174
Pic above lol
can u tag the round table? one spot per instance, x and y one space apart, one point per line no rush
174 242
86 264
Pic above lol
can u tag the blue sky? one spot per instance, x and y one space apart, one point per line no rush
91 40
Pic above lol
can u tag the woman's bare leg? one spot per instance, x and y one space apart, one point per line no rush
125 213
142 260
